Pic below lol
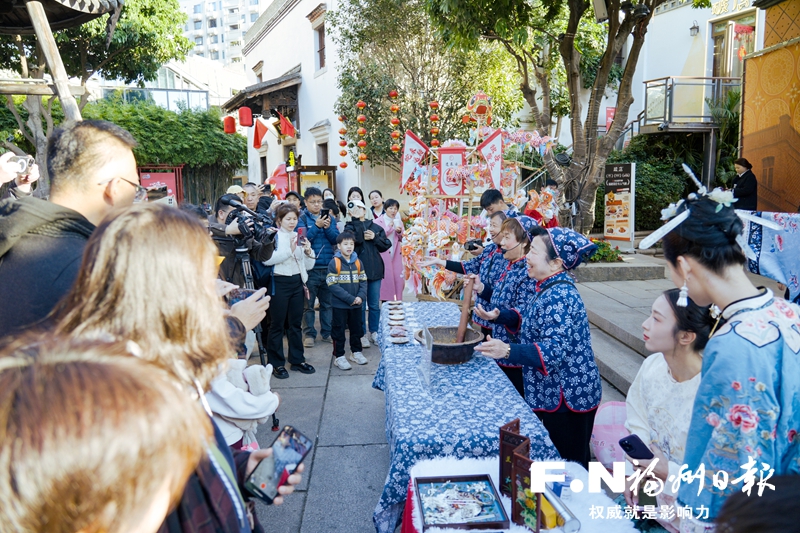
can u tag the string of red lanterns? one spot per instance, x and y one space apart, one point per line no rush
362 131
434 105
395 135
342 141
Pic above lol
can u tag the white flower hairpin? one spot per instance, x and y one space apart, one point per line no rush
722 197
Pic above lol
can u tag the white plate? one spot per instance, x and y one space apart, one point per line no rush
396 317
399 340
396 323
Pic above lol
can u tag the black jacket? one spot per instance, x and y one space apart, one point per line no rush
347 282
231 269
745 190
369 252
41 248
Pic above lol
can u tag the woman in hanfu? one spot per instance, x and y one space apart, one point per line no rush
489 264
746 414
511 292
562 382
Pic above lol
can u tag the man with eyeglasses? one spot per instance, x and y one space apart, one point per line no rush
321 231
92 172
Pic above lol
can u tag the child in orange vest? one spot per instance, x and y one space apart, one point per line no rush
347 282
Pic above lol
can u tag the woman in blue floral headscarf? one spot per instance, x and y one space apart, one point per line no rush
562 382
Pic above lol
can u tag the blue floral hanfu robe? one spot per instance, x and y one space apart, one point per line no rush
556 349
747 408
512 292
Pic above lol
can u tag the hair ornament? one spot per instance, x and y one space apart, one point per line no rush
658 234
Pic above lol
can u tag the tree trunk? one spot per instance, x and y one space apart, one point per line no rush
37 130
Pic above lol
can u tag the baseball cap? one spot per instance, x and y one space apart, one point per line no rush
234 189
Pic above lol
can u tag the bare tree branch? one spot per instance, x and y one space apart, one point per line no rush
20 123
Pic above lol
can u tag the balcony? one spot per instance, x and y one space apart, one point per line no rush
678 103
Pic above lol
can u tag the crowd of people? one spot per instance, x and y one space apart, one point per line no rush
137 311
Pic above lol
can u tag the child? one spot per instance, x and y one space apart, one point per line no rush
348 284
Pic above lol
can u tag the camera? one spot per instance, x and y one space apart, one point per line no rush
262 225
23 162
473 244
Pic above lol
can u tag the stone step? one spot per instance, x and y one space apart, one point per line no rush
618 364
620 320
623 271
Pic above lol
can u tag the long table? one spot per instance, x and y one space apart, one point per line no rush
459 414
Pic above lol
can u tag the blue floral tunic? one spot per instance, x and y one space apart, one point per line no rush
556 349
490 265
747 406
513 291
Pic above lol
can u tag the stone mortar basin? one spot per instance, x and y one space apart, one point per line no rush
445 349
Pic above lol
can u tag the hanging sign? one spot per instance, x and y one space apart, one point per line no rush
450 158
414 152
619 201
492 150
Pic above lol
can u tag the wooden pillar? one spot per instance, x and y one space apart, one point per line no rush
53 59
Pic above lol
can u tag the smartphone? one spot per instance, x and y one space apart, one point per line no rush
325 213
237 295
301 235
288 451
635 448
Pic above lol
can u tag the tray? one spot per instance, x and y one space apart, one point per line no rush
491 515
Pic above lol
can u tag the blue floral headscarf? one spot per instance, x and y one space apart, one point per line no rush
527 223
572 247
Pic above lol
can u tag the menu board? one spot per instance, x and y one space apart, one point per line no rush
619 201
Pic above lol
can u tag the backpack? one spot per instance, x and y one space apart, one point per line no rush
339 266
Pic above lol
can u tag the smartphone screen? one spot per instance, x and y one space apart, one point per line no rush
325 213
288 451
237 295
301 235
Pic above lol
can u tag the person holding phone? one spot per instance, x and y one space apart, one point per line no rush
660 399
291 261
321 232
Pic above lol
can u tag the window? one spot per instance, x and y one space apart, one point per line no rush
322 154
213 39
767 171
222 38
253 2
214 55
198 40
198 25
253 17
200 54
212 23
244 17
234 27
263 161
198 8
320 38
233 10
236 59
186 27
732 39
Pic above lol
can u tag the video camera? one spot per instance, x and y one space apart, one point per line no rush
23 162
262 225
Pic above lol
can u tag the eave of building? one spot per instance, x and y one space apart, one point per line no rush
764 4
268 20
259 89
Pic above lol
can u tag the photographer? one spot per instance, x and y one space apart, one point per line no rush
20 173
235 229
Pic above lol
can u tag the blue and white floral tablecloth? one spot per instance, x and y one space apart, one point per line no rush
777 252
458 415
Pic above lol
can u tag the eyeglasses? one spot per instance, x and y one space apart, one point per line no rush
141 192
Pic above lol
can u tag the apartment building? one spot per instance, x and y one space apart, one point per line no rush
217 27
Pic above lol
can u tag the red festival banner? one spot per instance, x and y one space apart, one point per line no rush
492 150
414 152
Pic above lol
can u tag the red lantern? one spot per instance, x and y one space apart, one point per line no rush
395 108
362 131
245 116
342 143
396 148
434 142
361 104
434 105
342 118
362 157
395 121
396 134
434 131
229 124
362 143
392 94
343 153
361 118
342 131
343 164
434 118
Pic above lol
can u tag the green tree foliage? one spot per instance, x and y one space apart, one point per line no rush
149 33
389 45
725 112
544 37
192 138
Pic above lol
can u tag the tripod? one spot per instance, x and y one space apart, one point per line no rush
243 258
